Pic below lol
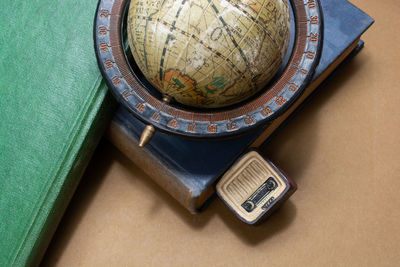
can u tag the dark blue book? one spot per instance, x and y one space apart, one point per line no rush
188 169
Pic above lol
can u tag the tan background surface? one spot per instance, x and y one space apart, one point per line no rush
343 150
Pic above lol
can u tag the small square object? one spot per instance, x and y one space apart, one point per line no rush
254 187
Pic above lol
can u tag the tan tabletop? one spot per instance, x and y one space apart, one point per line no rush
343 150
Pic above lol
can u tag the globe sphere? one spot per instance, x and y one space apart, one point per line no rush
209 53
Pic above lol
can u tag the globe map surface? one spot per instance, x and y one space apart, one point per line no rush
209 53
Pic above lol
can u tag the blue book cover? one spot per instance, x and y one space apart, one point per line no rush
188 169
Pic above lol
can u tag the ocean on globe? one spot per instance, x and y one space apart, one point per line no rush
209 53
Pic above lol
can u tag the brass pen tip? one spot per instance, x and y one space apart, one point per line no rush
146 136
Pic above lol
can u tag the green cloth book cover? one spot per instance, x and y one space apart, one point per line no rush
54 107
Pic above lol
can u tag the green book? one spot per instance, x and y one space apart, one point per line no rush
54 107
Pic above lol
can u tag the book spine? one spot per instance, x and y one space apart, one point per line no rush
153 164
37 241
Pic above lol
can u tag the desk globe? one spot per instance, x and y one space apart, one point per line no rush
209 53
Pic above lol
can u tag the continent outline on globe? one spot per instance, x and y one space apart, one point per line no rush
210 63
